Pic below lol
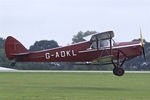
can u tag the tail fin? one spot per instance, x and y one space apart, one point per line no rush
13 47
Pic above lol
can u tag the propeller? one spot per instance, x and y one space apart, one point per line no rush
142 43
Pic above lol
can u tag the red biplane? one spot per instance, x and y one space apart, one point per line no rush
98 46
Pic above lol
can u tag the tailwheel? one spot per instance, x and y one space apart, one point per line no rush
118 71
13 64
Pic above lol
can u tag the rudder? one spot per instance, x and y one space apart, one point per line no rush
13 47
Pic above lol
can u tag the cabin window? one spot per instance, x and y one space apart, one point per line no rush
93 45
104 43
101 44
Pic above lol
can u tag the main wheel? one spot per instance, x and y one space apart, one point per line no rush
118 71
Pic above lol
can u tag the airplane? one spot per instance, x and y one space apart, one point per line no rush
95 47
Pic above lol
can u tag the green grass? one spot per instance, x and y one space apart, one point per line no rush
74 86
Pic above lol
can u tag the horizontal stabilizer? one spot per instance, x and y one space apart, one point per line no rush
21 54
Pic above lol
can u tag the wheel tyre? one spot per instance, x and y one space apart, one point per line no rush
115 71
12 64
118 71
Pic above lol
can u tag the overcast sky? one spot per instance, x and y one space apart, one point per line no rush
31 20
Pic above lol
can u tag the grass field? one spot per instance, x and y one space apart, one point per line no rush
74 86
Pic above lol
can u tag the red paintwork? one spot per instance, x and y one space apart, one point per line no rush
74 53
126 43
13 46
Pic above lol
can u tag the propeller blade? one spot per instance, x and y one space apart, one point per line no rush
144 53
141 38
142 43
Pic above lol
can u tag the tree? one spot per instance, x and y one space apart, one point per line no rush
2 43
80 35
43 44
3 59
140 40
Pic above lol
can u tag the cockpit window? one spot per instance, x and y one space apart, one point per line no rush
93 45
104 43
101 43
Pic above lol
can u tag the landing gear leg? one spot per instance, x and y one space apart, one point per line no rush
13 63
118 67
